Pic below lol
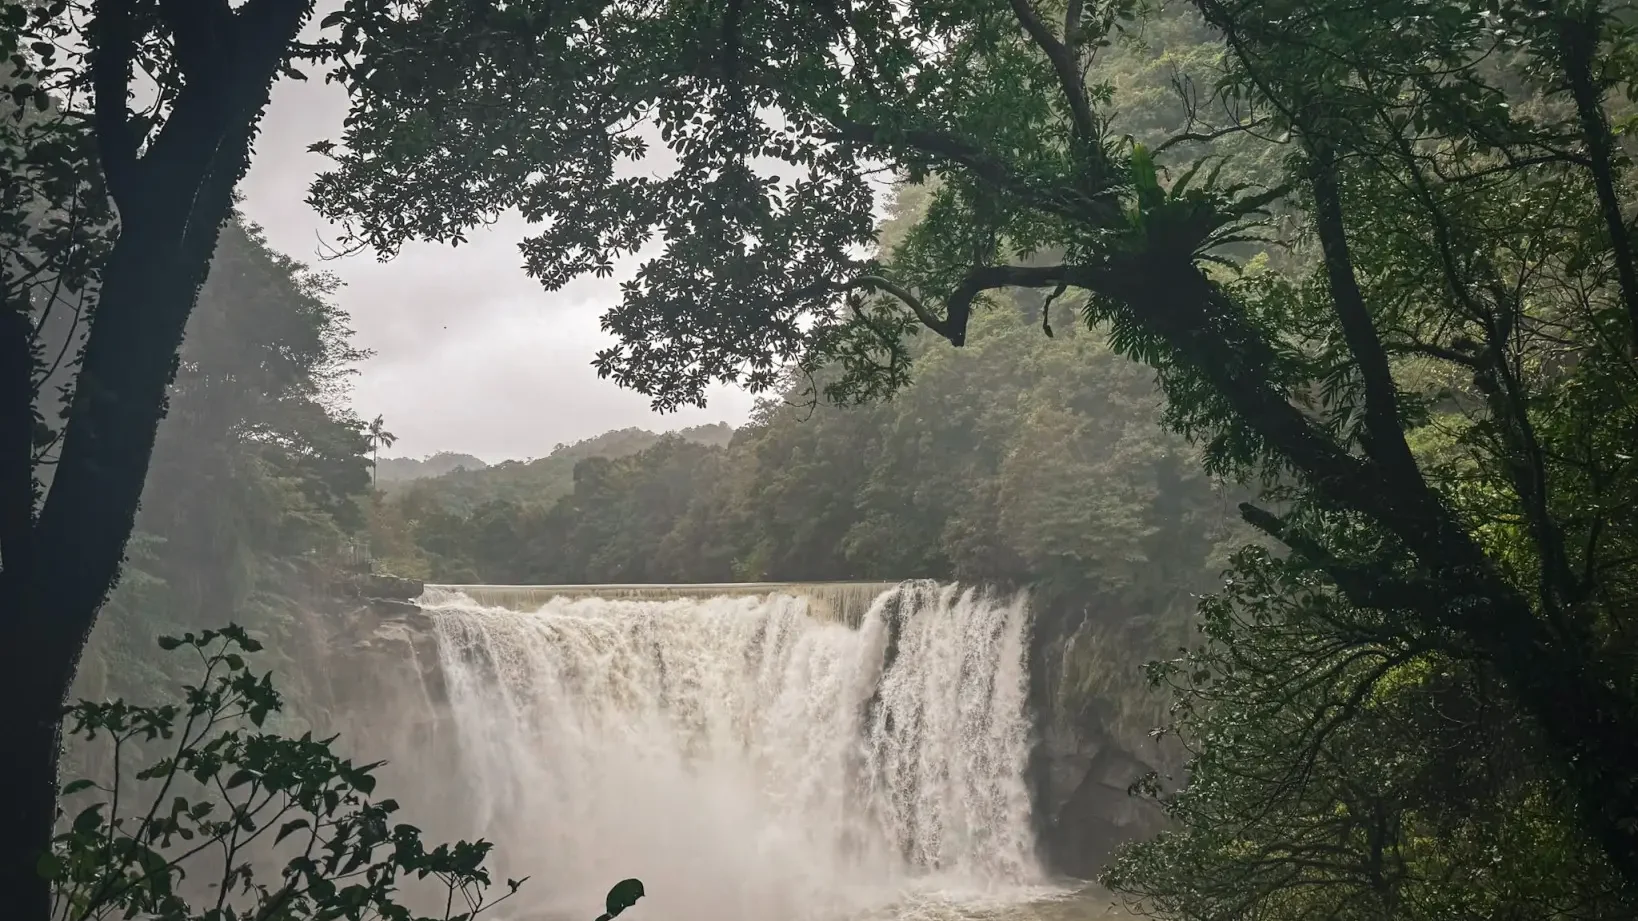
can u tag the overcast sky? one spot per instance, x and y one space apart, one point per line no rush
471 355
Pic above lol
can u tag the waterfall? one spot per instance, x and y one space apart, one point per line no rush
748 759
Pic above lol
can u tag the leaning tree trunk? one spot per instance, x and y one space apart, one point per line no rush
172 202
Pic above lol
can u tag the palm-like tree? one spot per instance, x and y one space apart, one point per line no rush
379 438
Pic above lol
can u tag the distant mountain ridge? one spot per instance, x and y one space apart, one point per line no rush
401 469
460 482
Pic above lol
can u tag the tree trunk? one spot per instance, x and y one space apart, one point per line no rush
1593 728
38 668
51 602
172 204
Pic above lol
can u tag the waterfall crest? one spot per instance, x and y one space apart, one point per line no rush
744 757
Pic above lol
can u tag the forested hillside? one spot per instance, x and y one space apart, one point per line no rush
435 527
1025 460
260 477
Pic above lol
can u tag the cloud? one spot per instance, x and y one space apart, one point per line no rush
471 354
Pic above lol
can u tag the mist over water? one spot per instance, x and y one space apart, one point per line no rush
748 761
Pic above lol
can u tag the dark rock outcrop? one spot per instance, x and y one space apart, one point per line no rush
1080 771
1089 807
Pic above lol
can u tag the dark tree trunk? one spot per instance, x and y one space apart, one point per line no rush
148 288
1578 49
172 203
37 670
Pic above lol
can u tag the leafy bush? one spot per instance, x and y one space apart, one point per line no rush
225 795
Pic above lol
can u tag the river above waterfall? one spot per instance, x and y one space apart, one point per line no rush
751 759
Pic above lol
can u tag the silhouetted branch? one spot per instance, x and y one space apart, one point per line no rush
1062 56
110 81
1101 208
1387 436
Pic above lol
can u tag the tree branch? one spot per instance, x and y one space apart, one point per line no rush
1174 301
958 307
1062 57
202 30
988 278
1205 137
110 82
1579 44
1387 435
1505 394
887 286
1363 587
1102 209
1433 350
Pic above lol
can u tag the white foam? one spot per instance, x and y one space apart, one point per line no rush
746 760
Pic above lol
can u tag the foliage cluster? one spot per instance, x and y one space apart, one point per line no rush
390 470
189 835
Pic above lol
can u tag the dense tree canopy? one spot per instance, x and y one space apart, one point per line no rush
1026 461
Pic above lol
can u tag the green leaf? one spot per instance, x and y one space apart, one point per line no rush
49 866
1144 176
290 828
89 818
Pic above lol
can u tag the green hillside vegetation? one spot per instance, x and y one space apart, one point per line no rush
259 481
976 472
419 527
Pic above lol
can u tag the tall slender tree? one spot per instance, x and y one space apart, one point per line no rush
379 438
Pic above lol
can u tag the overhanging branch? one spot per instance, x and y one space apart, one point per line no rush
887 286
1366 588
958 307
1387 436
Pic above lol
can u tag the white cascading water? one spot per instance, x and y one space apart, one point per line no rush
747 761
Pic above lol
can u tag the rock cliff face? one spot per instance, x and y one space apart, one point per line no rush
1082 794
1082 770
380 586
387 700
